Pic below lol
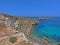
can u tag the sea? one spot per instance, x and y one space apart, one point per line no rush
49 28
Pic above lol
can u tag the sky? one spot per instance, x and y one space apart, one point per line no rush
30 8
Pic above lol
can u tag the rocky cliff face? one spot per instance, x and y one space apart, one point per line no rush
11 25
17 23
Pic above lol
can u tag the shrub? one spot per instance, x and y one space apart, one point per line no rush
13 39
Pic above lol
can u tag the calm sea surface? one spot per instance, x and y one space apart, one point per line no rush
50 28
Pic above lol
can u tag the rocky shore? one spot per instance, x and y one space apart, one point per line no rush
20 27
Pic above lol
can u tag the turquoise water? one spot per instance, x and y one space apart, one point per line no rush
50 28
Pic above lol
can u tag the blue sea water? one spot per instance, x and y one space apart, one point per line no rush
50 28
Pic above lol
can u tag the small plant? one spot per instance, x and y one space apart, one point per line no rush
13 39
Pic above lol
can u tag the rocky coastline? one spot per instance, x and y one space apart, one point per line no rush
20 27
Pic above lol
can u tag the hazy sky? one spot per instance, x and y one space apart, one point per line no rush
30 7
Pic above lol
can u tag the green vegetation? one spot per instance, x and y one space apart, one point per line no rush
13 39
